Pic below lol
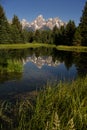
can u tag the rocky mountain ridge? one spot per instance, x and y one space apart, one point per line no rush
43 24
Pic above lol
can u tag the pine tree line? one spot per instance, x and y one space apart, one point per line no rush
68 35
10 32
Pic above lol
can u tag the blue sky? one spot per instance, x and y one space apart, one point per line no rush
30 9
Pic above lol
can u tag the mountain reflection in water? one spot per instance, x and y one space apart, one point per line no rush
23 71
41 61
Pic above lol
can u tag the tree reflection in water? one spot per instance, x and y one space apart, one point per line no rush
26 70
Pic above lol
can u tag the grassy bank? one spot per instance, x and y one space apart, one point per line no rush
58 107
36 45
73 48
22 46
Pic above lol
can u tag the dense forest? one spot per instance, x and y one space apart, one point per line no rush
12 32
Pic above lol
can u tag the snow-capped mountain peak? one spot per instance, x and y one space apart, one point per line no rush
41 23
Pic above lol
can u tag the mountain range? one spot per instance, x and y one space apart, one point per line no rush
42 24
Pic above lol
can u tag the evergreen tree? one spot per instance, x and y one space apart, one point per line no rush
37 36
61 36
77 38
69 32
55 35
16 36
16 30
30 36
16 22
5 35
44 36
83 26
49 37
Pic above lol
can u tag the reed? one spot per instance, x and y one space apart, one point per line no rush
57 107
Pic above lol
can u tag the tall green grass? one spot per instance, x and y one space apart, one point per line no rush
57 107
62 107
14 66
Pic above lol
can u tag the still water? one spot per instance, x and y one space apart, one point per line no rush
28 70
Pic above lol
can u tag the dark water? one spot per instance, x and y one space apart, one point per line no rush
23 71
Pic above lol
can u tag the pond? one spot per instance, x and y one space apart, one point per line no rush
28 70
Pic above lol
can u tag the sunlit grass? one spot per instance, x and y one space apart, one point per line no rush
62 107
12 66
36 45
72 48
57 107
22 46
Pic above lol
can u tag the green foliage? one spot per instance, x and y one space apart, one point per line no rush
77 37
16 23
65 35
55 35
16 36
14 66
72 48
10 33
46 36
69 33
5 121
16 31
30 37
4 28
63 107
10 66
2 14
58 107
37 36
61 36
83 25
